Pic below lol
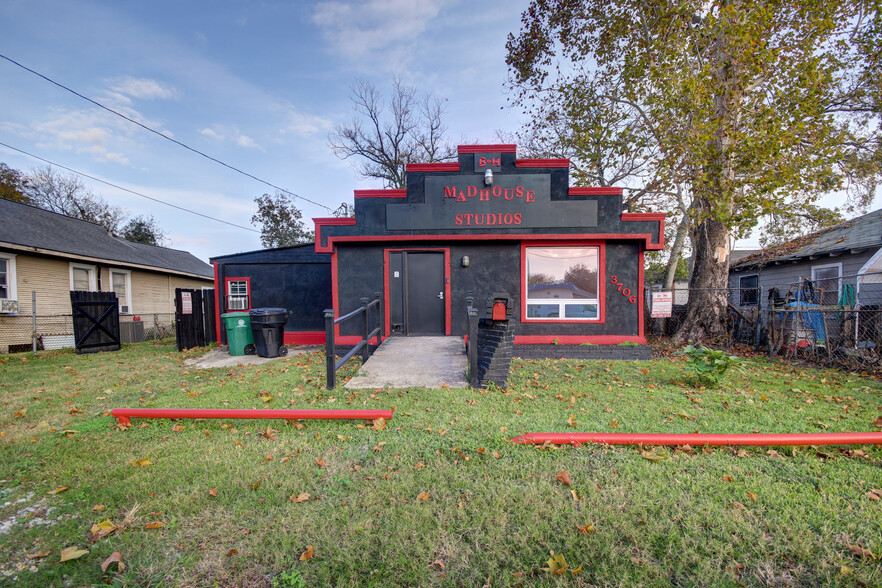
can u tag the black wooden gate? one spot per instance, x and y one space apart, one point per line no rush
95 321
194 318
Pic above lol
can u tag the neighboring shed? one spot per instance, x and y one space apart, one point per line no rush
296 278
829 258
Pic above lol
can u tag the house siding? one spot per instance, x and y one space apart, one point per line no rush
785 275
49 277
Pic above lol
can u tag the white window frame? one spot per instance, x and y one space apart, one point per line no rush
93 275
128 301
561 303
228 282
741 290
838 278
11 283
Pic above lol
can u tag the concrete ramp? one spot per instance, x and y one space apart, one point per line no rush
424 362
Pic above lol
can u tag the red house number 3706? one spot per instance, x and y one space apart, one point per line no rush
620 287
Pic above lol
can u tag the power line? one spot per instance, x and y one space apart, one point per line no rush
164 136
85 175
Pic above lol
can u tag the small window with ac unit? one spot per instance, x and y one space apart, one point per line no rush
8 294
238 294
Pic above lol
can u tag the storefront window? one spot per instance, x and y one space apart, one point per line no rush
562 283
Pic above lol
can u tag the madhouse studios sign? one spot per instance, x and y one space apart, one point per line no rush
514 201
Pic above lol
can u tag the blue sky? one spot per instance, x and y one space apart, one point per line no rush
257 85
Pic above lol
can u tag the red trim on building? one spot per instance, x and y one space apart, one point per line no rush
447 314
332 221
577 339
381 193
532 163
643 216
646 237
227 293
348 339
217 306
499 148
601 282
335 303
640 294
304 338
451 166
596 191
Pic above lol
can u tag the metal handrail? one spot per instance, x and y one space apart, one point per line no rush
332 364
472 344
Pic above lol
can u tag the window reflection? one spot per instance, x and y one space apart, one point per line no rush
561 281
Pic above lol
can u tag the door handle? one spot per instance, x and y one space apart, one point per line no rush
440 295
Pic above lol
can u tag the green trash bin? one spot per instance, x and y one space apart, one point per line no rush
239 336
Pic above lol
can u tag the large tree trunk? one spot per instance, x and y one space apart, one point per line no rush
708 286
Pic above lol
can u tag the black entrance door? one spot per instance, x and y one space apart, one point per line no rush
416 292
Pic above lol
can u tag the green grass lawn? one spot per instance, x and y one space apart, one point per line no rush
438 497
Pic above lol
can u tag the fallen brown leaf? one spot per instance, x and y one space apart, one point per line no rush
424 495
115 557
212 492
586 529
154 525
102 529
308 554
302 497
563 477
39 555
72 552
59 490
858 550
379 424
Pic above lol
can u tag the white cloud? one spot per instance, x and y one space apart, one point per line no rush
246 141
212 134
306 124
358 29
144 88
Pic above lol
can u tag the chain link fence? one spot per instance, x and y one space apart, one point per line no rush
21 333
836 321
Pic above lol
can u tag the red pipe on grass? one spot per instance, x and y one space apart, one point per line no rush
698 439
123 415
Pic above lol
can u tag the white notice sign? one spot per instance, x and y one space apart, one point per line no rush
186 303
662 304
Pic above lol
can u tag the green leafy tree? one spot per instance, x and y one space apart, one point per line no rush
13 184
281 223
384 138
583 277
741 108
144 229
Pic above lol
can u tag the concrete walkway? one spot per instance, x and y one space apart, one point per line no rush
425 362
220 357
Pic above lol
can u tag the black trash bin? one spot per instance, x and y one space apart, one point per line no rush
267 325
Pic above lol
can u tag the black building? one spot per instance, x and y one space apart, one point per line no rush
570 258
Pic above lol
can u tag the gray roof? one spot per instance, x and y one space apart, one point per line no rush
853 235
29 226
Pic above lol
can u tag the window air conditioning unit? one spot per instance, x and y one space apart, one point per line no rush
8 306
237 303
124 309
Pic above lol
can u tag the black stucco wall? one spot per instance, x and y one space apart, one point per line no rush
296 278
493 267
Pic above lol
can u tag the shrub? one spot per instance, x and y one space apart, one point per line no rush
709 365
